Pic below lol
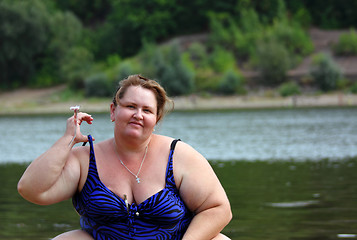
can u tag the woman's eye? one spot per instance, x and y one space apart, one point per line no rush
130 106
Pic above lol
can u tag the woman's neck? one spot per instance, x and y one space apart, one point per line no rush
130 147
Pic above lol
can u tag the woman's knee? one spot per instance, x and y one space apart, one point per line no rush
221 237
75 234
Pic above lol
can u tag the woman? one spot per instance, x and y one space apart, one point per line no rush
136 185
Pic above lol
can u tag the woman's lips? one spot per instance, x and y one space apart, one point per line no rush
137 124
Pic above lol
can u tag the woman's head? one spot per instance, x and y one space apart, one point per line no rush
155 87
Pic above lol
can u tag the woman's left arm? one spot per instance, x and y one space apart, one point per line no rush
202 192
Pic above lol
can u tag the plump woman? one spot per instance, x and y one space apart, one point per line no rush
136 185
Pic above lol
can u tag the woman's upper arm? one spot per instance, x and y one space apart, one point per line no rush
67 183
198 184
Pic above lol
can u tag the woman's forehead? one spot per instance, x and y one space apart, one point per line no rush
140 95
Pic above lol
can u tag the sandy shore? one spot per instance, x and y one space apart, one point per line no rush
44 101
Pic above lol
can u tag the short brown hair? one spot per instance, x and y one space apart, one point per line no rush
136 80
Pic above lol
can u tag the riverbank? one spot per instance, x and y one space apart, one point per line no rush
48 101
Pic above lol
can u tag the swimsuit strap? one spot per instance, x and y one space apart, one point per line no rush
173 144
90 140
170 181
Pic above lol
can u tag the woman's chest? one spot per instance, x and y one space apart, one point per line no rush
134 182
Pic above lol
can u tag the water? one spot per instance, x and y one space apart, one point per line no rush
298 134
289 174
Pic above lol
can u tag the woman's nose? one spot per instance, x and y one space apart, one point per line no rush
138 114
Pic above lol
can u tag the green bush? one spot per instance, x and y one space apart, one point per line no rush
292 36
236 37
175 77
272 61
24 35
231 83
347 44
303 17
76 65
325 72
198 55
221 60
289 89
98 85
220 30
123 71
353 88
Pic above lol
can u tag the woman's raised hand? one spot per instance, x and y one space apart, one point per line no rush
73 126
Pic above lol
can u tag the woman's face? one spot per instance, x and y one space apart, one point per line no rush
136 113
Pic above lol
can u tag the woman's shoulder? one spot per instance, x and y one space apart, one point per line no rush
161 140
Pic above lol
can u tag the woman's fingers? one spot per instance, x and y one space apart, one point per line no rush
84 117
74 128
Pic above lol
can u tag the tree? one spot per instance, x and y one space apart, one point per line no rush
175 77
24 35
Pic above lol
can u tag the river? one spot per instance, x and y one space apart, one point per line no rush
289 173
299 134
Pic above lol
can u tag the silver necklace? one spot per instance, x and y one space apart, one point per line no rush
142 162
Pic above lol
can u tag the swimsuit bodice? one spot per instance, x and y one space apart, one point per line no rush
105 215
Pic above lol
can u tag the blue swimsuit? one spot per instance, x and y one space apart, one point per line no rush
104 215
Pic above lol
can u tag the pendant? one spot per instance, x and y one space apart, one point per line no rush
137 179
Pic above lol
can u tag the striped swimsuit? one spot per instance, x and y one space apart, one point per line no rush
104 215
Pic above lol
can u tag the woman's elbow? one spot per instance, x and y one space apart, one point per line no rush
21 188
29 194
228 213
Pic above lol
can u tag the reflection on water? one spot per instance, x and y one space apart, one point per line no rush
298 134
270 200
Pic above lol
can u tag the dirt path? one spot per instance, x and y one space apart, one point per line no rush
28 101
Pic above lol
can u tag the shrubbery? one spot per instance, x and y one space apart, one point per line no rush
176 78
272 61
347 44
289 89
98 85
325 72
231 83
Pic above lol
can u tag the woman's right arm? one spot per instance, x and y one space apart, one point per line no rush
54 175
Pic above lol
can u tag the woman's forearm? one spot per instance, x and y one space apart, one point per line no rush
208 223
44 171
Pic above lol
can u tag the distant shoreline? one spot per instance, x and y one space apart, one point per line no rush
41 101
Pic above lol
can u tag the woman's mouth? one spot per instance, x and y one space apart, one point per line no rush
136 124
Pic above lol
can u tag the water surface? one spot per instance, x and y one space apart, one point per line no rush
298 134
289 173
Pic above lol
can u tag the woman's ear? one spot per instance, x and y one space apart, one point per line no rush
112 110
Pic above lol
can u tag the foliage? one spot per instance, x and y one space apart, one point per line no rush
235 37
353 88
147 58
175 77
24 34
231 83
199 61
44 38
325 72
242 36
303 17
289 89
76 65
347 44
35 39
97 85
124 70
292 36
331 14
87 11
272 61
220 60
